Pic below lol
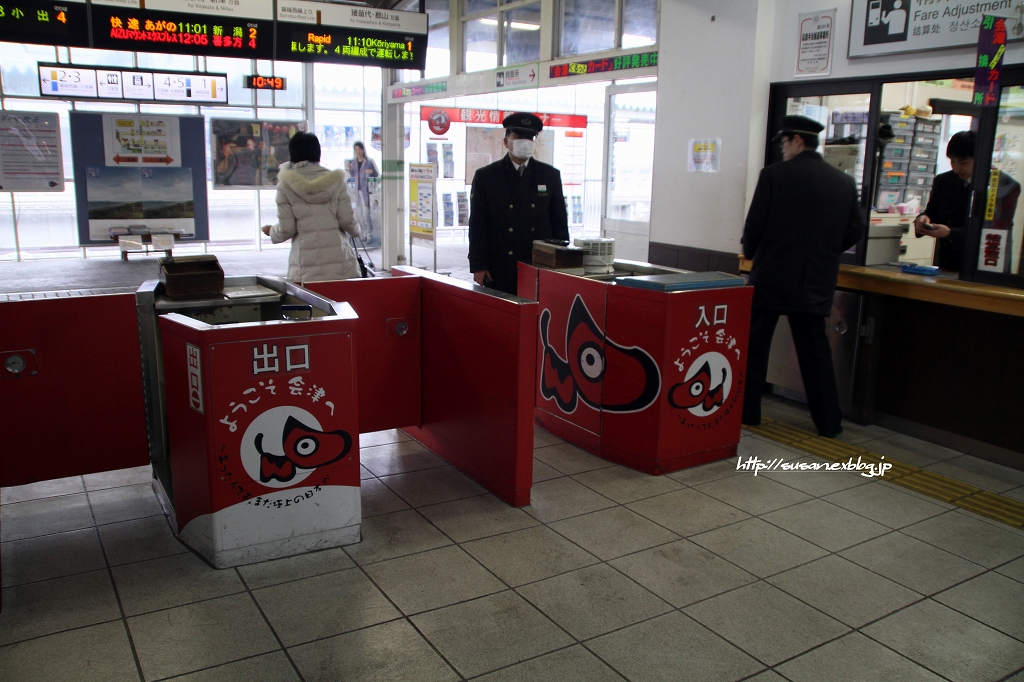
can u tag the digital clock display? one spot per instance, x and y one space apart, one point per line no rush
44 23
145 30
265 83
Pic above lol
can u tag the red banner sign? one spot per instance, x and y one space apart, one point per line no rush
496 116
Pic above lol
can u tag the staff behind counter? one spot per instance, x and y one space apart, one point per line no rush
948 211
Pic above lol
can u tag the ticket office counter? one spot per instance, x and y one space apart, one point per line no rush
936 358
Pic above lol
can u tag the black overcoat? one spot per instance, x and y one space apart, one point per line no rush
804 214
508 211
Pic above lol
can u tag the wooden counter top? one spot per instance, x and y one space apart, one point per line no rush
940 290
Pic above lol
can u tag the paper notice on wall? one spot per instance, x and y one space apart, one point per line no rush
704 155
463 202
140 140
422 210
449 160
30 152
814 43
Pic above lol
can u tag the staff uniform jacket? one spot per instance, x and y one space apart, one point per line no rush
804 214
508 212
315 212
948 204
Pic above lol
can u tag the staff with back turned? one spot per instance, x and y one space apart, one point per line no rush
514 201
804 214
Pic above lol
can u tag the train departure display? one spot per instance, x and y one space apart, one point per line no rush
44 23
314 32
241 28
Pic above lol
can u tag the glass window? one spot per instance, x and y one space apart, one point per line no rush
117 107
474 6
337 132
438 55
587 26
169 109
522 34
372 79
1002 233
85 55
235 69
47 219
233 216
338 86
481 44
437 12
639 23
171 62
292 97
18 64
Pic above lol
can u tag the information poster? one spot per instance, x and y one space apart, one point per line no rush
463 208
141 140
485 145
814 48
422 211
704 155
140 175
248 153
449 160
30 152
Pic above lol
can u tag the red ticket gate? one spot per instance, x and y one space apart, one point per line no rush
650 379
263 430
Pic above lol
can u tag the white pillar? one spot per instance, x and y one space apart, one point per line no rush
394 236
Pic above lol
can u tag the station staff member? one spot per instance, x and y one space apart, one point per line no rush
513 201
804 214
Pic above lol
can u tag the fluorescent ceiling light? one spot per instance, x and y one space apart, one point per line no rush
518 25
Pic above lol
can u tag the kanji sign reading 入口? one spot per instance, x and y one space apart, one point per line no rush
991 47
639 60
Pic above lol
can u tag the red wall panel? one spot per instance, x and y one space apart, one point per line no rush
388 363
84 410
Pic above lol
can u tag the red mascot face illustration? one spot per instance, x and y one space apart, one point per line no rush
304 448
705 386
590 355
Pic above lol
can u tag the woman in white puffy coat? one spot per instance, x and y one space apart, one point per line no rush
315 212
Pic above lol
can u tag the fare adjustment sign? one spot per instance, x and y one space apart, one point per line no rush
323 32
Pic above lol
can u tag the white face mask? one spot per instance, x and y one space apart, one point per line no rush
522 149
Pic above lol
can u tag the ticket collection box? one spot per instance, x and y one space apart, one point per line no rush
652 380
263 434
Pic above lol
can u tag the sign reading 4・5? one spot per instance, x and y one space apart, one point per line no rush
235 28
44 23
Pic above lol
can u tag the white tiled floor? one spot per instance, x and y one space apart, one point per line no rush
704 574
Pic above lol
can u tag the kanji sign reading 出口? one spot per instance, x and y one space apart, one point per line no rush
991 48
640 60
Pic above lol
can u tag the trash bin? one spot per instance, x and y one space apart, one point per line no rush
261 457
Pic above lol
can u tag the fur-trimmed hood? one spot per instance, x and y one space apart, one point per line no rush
312 182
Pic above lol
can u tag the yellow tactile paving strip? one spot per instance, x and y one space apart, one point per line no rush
993 505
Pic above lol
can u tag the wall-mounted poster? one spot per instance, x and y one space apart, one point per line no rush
248 153
30 153
140 174
485 144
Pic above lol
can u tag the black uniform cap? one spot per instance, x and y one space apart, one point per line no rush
798 125
523 123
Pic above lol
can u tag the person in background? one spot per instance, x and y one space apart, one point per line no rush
360 169
514 201
803 216
315 212
948 212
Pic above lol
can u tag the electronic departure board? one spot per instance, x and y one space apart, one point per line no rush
215 28
45 23
322 32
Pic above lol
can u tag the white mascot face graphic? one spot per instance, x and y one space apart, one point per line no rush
285 444
705 386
